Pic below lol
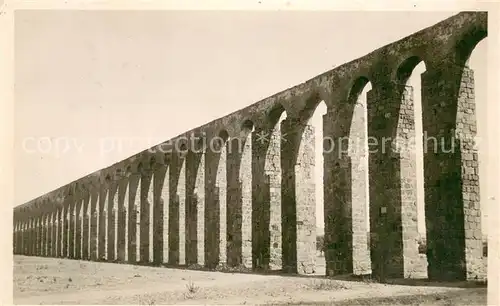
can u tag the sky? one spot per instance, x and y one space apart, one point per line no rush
95 87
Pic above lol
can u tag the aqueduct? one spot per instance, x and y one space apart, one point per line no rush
238 192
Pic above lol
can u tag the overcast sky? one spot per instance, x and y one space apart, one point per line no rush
142 77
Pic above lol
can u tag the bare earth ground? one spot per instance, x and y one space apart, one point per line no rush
62 281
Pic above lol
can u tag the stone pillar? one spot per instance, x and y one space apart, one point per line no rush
60 230
158 202
39 234
358 159
177 194
26 236
239 202
43 245
48 227
338 192
29 240
151 201
453 215
146 179
53 233
133 206
85 227
42 234
111 230
266 198
48 239
20 236
221 187
245 177
212 206
181 193
46 247
24 226
298 196
33 236
192 165
72 228
78 231
94 219
392 172
121 238
195 198
15 236
101 242
234 204
165 198
199 195
29 236
22 231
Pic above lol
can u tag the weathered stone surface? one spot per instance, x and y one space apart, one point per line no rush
194 175
94 218
101 240
157 215
145 205
454 242
122 228
177 201
86 227
247 199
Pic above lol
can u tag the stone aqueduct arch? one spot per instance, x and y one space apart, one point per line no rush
267 187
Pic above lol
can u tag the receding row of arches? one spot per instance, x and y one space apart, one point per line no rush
258 200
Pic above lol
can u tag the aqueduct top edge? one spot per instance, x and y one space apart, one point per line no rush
432 45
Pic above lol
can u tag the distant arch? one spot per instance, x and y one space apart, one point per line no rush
357 87
247 125
406 68
275 114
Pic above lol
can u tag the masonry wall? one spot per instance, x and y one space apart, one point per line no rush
246 199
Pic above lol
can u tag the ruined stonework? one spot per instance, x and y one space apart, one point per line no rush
238 193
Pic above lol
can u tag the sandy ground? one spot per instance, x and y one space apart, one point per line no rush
62 281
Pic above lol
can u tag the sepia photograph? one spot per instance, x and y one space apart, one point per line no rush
265 156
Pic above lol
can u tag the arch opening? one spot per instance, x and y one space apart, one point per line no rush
409 74
357 150
317 110
267 242
476 61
